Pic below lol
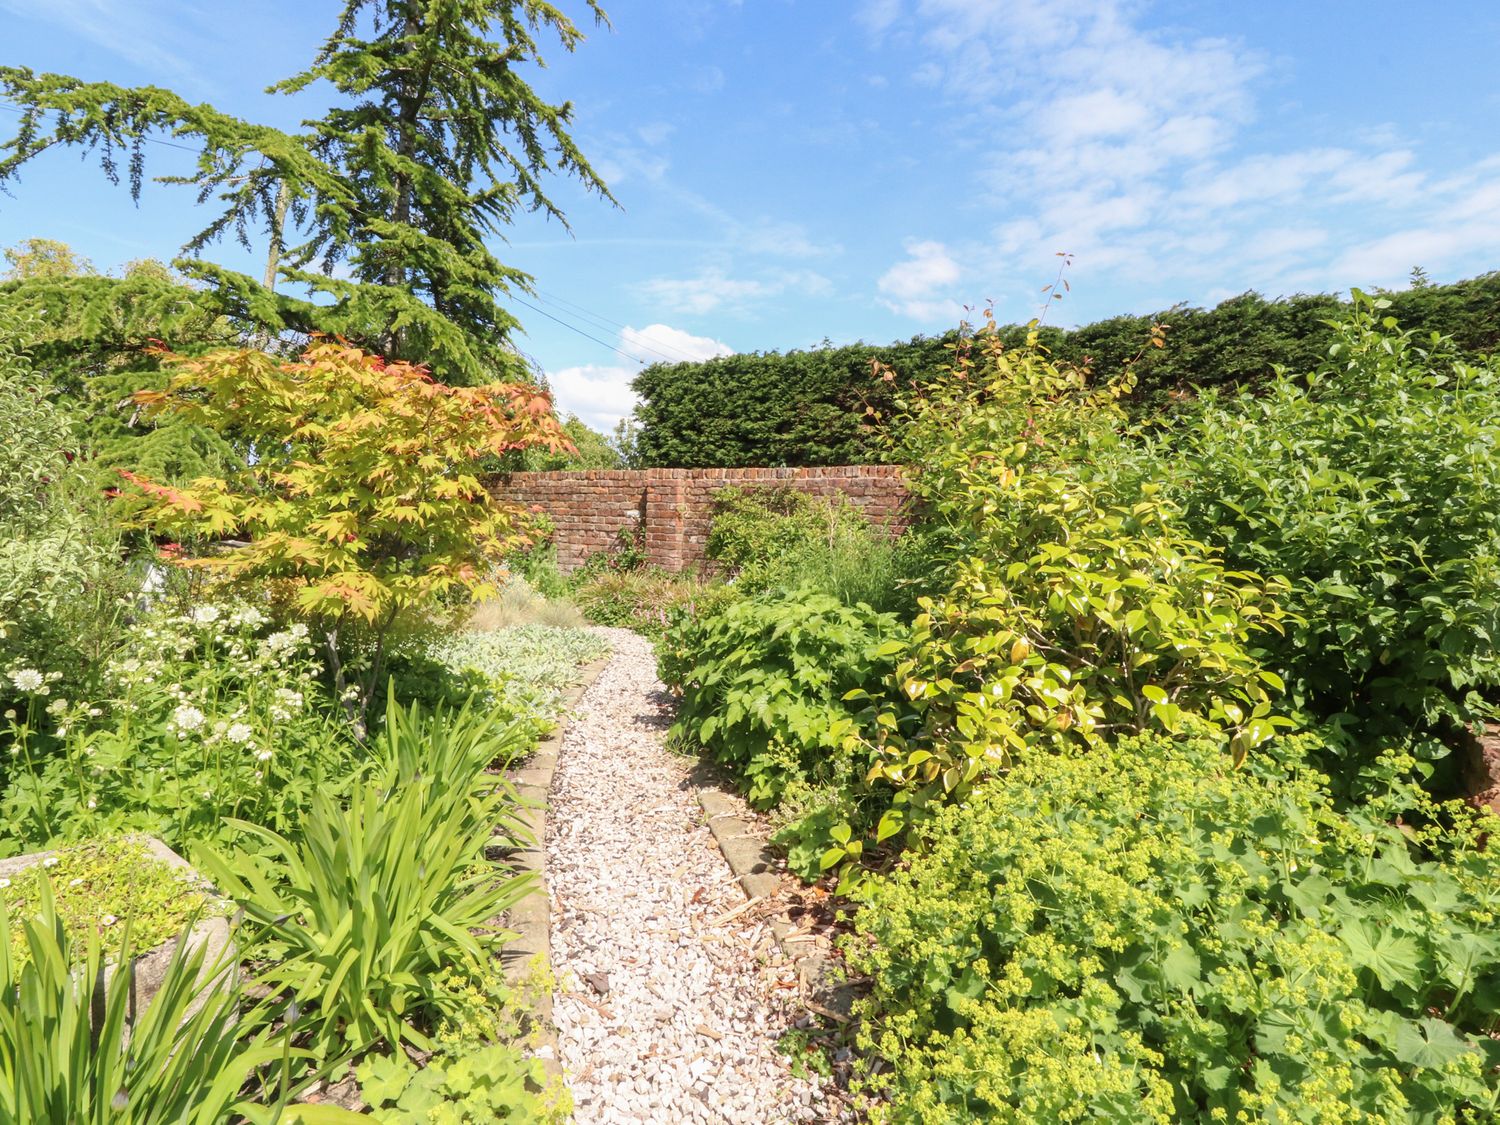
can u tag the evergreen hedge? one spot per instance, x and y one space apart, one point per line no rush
810 407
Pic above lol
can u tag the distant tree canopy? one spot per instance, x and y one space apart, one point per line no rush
811 407
591 450
96 339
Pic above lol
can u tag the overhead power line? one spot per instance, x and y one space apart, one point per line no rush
660 347
574 328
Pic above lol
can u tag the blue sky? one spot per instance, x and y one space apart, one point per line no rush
790 170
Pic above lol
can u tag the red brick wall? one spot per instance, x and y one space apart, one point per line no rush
675 505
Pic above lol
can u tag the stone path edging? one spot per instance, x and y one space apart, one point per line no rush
757 868
531 918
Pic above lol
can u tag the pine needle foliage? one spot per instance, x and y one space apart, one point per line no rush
435 142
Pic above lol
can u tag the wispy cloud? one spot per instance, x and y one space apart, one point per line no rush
1131 148
713 289
129 29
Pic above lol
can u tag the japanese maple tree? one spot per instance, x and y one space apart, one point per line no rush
359 490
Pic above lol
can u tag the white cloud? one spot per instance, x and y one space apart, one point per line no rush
600 394
1130 147
661 341
917 285
877 15
713 289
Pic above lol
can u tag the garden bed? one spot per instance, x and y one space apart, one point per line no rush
106 888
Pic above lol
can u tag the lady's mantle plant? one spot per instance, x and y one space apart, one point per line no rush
1144 934
358 493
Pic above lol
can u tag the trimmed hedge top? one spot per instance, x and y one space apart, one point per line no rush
810 407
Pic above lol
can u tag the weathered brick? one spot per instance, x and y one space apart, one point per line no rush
673 508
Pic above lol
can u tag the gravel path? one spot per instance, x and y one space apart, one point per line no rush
668 1009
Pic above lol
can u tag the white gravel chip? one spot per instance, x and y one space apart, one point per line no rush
661 1016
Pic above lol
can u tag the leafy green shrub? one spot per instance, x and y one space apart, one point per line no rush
781 538
418 678
1115 623
364 909
1076 609
762 683
40 438
1142 934
754 529
61 570
1373 486
63 1060
648 600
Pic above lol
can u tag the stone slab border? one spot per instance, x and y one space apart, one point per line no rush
210 933
531 918
758 870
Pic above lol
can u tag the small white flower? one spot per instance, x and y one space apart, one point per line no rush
299 631
280 642
11 714
95 712
57 706
247 616
205 615
93 804
263 755
62 731
186 717
75 882
4 883
239 733
109 920
27 679
50 861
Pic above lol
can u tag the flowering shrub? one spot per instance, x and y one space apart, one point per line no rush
204 715
1143 934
